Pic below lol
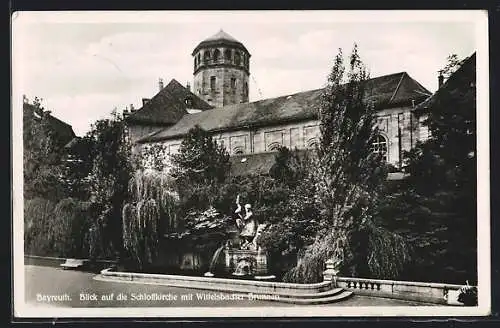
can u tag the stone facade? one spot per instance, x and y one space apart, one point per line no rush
399 131
137 131
221 86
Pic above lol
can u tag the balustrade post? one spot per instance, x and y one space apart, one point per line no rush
330 274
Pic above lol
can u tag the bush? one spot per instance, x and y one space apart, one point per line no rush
56 229
70 228
38 213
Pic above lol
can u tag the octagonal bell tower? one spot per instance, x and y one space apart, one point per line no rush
221 70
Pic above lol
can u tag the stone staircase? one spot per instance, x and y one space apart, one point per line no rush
330 296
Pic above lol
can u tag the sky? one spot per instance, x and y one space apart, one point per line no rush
85 64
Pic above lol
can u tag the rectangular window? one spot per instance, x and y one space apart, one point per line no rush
212 83
233 83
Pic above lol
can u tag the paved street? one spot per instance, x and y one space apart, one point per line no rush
50 286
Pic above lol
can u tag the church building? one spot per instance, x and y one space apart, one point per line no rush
252 131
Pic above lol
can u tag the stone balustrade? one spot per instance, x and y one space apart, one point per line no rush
437 293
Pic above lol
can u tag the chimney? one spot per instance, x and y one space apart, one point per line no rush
440 79
145 101
188 86
160 84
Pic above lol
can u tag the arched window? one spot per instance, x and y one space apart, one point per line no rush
273 146
199 58
227 54
245 91
238 151
237 58
206 56
216 55
379 146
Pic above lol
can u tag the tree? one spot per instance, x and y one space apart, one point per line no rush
78 166
108 183
290 167
42 154
153 157
348 178
453 63
150 212
442 184
199 167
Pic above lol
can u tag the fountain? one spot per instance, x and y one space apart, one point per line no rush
248 259
215 259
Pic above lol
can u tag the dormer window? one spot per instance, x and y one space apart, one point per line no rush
189 102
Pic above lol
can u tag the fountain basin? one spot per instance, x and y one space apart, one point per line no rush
317 293
246 262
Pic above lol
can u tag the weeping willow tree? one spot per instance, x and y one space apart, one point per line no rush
38 213
151 212
348 177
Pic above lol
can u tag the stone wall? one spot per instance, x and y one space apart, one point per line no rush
137 131
224 92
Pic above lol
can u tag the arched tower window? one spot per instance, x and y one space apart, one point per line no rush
216 55
227 54
237 58
245 90
379 146
206 56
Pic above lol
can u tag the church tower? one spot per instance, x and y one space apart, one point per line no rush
221 70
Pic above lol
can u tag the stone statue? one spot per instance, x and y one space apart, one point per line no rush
246 224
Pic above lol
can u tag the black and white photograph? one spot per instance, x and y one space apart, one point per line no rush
192 164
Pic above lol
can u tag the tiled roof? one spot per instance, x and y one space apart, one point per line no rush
261 164
220 38
456 85
63 131
168 106
258 163
385 91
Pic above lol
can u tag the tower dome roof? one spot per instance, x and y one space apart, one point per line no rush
221 35
218 39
